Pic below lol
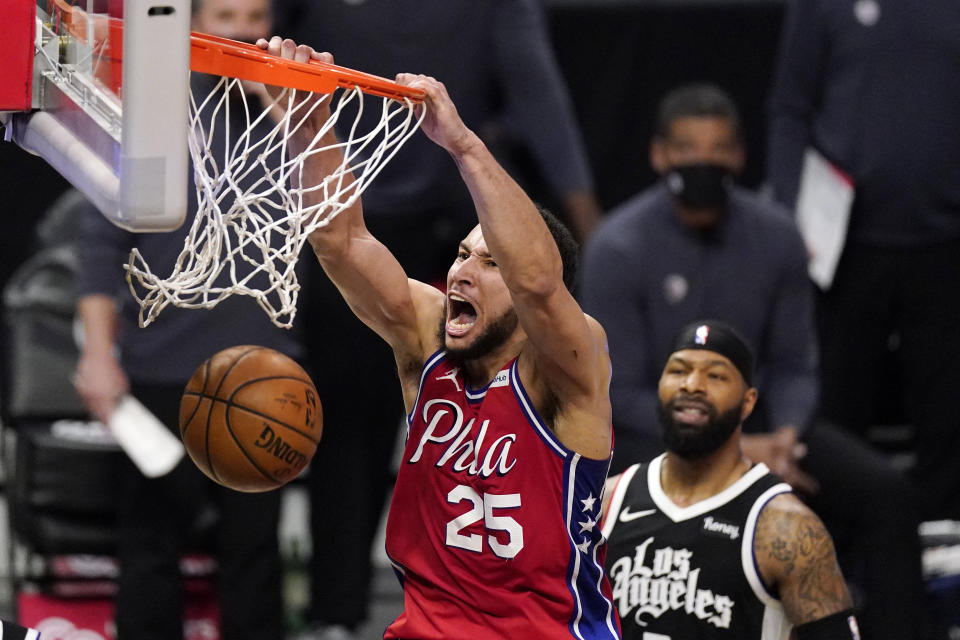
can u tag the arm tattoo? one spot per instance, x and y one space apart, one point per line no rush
796 555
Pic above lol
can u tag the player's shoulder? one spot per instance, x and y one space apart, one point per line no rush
796 559
788 533
597 331
786 506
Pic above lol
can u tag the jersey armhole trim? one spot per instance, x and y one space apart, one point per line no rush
616 500
428 366
748 556
531 413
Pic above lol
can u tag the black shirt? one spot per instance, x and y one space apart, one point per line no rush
690 573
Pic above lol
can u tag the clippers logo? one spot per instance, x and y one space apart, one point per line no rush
700 337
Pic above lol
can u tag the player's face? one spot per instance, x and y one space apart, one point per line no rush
245 20
703 399
479 314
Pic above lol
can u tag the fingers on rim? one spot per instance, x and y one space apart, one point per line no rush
303 53
274 45
288 47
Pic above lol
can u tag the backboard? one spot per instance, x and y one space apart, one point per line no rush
100 90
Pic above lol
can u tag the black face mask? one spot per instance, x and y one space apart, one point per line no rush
699 186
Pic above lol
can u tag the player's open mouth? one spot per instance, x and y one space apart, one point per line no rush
461 315
691 412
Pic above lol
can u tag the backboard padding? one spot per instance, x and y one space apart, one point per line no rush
17 28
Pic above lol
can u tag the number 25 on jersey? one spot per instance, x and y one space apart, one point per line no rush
483 509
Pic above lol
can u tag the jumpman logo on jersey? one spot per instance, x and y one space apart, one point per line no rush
451 376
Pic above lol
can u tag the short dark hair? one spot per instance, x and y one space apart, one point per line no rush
566 244
698 100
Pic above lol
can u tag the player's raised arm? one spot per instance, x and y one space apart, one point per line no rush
796 557
403 312
567 350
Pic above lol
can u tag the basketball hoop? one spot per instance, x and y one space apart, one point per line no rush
252 222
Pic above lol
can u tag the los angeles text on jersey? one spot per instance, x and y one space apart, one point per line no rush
665 580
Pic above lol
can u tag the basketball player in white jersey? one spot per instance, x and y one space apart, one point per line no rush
704 544
493 526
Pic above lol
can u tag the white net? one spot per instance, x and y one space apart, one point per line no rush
253 218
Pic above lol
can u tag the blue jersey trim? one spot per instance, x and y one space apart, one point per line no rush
593 613
428 366
531 414
476 395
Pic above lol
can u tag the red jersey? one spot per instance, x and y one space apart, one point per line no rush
494 524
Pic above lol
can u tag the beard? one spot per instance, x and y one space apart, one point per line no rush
494 336
693 442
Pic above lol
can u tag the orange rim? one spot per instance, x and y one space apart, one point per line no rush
225 57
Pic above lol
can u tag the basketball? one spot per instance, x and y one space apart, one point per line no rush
250 418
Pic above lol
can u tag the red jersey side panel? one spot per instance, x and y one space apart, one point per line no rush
494 525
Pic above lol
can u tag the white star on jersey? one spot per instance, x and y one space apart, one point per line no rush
588 525
584 546
588 503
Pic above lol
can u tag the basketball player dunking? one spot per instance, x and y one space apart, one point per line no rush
493 528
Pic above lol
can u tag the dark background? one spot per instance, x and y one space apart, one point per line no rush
619 60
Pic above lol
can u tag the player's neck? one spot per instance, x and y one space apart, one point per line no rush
478 372
689 481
